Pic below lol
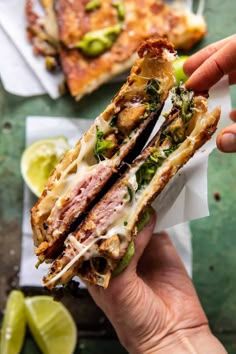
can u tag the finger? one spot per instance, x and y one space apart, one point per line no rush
233 115
195 60
128 275
214 68
232 78
159 257
226 139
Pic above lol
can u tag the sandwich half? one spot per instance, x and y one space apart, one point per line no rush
113 140
94 250
93 41
100 42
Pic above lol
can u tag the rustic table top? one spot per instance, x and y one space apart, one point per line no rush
214 237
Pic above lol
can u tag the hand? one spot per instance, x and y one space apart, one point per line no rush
153 305
205 69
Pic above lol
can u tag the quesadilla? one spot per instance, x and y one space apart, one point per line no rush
95 248
114 139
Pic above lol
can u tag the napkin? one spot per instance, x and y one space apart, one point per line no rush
16 76
13 22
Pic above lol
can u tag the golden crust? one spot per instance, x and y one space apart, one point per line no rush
154 48
74 21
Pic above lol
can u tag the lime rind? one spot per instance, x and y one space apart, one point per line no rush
39 160
51 325
14 324
180 75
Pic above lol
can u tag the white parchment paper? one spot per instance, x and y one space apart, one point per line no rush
13 23
184 199
16 75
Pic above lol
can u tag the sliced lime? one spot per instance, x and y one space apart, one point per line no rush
179 72
51 325
14 324
40 159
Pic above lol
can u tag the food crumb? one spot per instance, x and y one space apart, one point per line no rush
6 127
12 252
217 196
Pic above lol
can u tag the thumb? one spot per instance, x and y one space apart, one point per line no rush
122 285
226 139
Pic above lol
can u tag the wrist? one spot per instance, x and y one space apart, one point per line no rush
198 340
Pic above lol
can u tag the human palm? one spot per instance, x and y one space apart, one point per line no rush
153 298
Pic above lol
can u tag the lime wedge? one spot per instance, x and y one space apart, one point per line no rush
51 325
39 160
179 72
14 324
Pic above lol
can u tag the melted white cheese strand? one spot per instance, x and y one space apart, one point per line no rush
76 258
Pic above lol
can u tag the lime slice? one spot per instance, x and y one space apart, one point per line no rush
14 323
51 325
40 159
179 72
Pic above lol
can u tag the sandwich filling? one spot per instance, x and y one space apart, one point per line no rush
95 248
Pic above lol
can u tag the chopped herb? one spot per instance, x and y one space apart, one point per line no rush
102 145
92 5
170 150
130 191
177 130
125 223
183 99
151 107
152 90
129 195
148 169
113 120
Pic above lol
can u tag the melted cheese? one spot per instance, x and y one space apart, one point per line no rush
82 250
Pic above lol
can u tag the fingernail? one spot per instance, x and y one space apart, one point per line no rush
228 142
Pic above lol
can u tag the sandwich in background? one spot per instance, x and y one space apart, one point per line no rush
93 41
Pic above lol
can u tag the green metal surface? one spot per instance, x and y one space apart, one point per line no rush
214 237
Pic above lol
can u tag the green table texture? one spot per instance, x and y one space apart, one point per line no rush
214 237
